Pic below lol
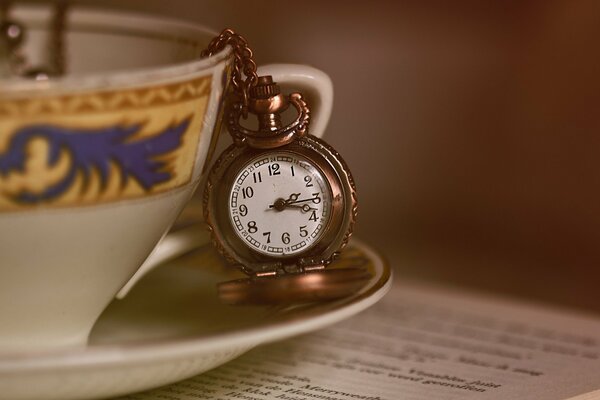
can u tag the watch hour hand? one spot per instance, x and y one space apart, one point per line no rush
293 198
280 204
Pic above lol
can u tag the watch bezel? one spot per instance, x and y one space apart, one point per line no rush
337 230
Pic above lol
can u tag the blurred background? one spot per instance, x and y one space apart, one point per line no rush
471 129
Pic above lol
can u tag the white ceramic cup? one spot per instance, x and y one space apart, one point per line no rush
80 210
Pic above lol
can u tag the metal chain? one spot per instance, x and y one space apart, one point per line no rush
58 57
12 36
244 74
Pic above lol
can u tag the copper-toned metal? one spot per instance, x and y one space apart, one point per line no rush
326 284
300 276
243 64
267 103
270 134
336 232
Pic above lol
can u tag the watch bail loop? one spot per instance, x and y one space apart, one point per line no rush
268 103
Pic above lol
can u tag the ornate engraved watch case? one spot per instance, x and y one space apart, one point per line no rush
281 205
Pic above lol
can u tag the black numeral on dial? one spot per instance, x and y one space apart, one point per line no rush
303 231
243 210
247 192
268 235
274 169
285 238
252 228
316 199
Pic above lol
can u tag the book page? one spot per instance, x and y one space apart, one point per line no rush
418 343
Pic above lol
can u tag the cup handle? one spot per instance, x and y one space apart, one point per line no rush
317 88
313 83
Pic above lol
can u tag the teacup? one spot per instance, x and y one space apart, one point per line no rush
95 166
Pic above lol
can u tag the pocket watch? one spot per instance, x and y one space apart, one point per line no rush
281 204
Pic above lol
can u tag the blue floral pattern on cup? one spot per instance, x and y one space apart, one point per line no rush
94 149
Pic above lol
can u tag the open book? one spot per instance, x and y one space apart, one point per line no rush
419 342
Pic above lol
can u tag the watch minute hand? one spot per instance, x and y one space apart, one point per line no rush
301 201
281 205
305 207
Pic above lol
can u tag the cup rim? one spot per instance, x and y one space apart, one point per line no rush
119 22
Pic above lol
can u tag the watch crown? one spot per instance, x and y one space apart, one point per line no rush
265 88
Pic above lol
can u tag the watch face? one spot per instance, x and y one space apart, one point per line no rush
279 204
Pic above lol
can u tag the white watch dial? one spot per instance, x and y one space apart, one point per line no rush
279 204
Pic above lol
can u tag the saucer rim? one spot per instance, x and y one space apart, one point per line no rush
154 350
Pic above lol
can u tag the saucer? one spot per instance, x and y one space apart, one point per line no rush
172 327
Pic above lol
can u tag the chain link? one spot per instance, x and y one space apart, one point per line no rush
244 74
58 53
12 35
